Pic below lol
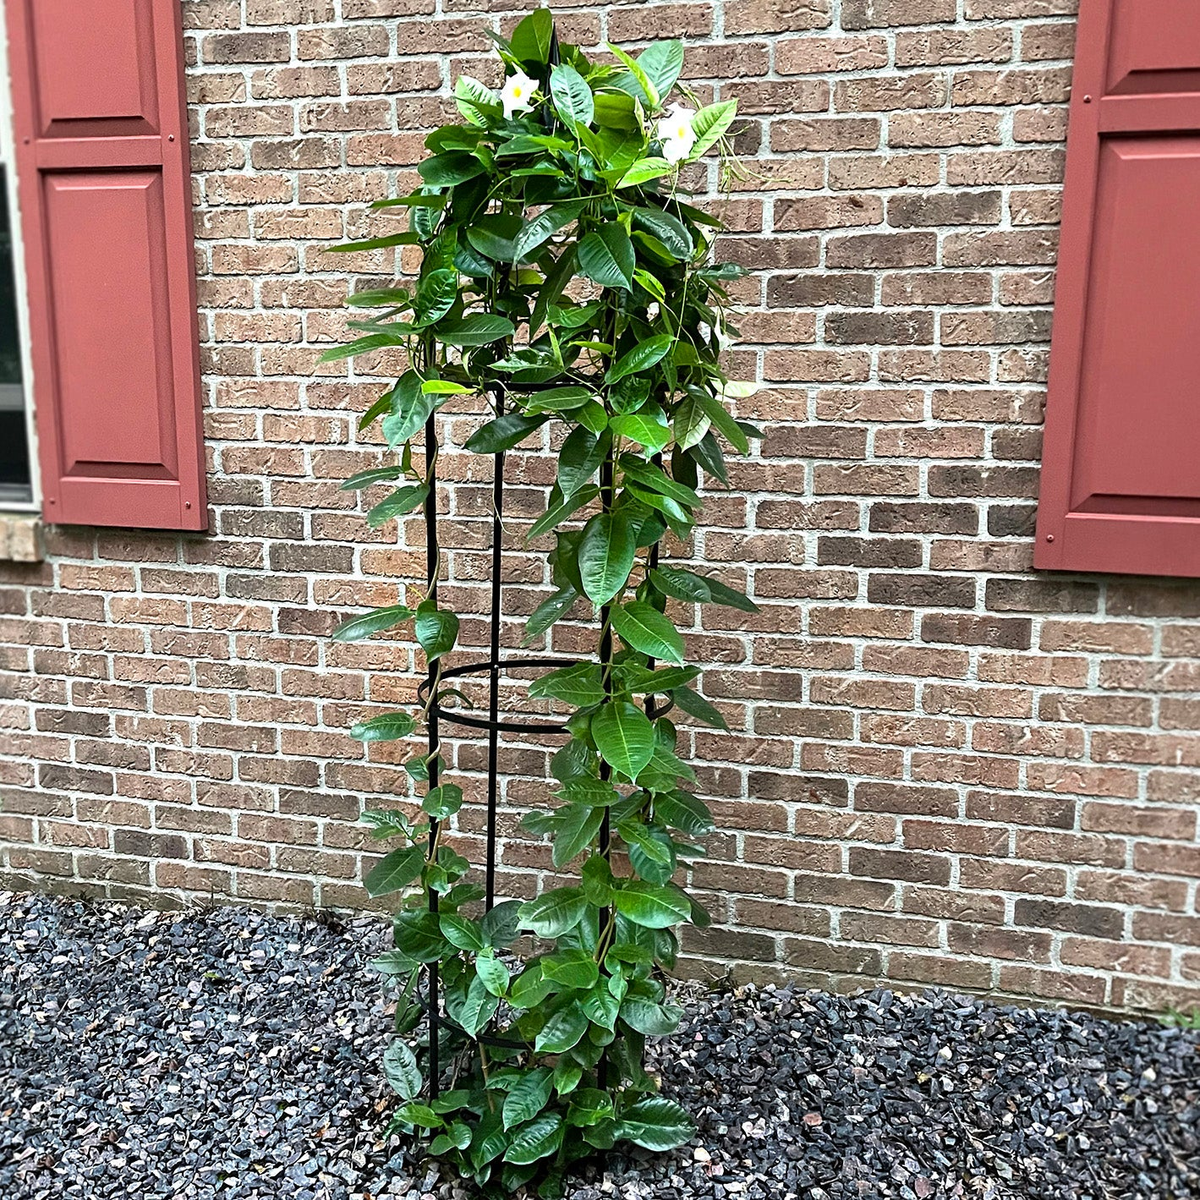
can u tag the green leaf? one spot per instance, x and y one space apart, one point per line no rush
649 429
580 458
652 905
540 228
655 1124
691 421
503 433
606 256
696 706
710 124
662 63
606 555
572 968
681 810
527 1097
478 1009
624 736
597 885
567 1075
617 110
601 1005
641 85
554 913
444 801
669 230
407 238
401 501
531 44
572 97
548 612
395 871
445 387
436 629
642 357
555 515
394 962
651 850
501 923
476 330
539 1138
375 621
649 476
435 296
559 399
579 826
585 789
529 989
556 280
581 685
654 1020
401 1070
457 1137
478 104
449 169
419 1114
645 170
388 727
643 627
419 935
363 345
366 478
493 972
408 408
681 585
729 428
494 234
563 1030
589 1106
461 932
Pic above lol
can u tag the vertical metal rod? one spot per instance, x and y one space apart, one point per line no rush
606 656
432 555
493 793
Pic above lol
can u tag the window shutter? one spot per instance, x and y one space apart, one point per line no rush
105 194
1121 472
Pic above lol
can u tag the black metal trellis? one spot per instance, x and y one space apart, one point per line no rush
494 666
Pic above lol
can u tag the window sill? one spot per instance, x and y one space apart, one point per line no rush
21 538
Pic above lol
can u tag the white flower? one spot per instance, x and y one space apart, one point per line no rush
676 133
517 96
652 311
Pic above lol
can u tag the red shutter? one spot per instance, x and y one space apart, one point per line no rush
1121 473
105 195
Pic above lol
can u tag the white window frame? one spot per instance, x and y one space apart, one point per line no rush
8 158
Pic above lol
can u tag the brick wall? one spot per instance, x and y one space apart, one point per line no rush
944 768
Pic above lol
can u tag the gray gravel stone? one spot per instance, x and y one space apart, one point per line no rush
229 1054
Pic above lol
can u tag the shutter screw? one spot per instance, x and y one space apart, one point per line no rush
27 141
187 504
170 137
1049 537
1087 99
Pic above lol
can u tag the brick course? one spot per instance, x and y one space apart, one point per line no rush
942 767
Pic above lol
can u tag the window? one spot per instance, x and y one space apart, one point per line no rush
16 425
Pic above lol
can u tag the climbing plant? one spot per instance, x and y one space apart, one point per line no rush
563 279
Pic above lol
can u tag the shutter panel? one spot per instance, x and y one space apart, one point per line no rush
1121 471
105 196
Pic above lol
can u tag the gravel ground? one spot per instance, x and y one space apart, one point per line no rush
230 1054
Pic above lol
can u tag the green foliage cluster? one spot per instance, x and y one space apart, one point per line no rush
561 272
